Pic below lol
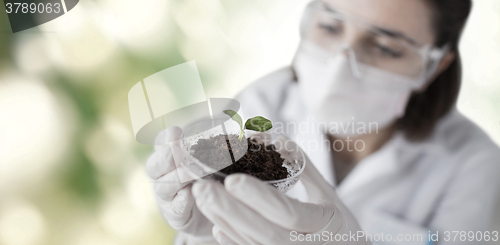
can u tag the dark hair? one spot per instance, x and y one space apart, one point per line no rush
425 108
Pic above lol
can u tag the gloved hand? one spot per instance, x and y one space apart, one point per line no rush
174 198
247 211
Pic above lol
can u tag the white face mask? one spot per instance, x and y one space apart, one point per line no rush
348 105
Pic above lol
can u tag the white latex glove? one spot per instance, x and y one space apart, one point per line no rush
174 198
248 211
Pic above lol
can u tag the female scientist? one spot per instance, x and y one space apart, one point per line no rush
393 161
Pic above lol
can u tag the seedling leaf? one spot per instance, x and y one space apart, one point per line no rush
259 124
234 115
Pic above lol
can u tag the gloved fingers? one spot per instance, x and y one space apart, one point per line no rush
192 221
231 232
204 196
183 202
274 206
170 134
163 160
239 222
221 237
160 163
178 211
167 186
318 190
182 214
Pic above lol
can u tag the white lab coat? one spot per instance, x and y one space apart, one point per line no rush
449 182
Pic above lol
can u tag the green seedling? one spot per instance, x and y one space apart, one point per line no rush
259 124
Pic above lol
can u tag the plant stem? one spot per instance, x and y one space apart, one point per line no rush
241 135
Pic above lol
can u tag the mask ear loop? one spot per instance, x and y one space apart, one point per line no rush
356 72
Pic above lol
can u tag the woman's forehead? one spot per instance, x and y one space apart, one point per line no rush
410 17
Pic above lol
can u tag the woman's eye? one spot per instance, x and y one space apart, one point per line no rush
330 29
386 51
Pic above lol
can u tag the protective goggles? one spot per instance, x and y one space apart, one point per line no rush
373 46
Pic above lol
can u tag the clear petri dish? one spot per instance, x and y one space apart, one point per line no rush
196 169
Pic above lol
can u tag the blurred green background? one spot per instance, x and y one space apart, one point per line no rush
71 171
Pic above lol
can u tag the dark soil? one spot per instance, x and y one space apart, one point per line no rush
261 161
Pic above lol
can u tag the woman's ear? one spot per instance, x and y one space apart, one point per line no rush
445 63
